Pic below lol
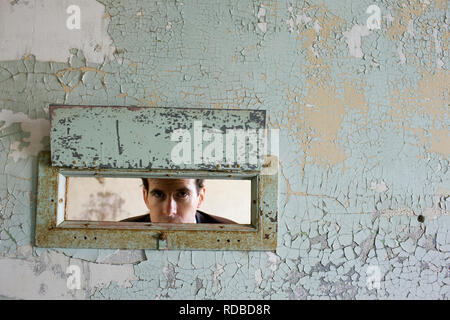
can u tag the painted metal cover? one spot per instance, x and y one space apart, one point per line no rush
118 137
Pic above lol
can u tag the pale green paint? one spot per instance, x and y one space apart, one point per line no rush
145 138
214 55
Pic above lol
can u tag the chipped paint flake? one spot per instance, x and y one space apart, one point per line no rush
364 140
378 187
39 28
45 276
354 39
36 128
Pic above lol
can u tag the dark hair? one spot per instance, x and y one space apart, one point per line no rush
199 183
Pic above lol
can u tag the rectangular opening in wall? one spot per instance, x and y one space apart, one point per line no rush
247 198
105 151
167 200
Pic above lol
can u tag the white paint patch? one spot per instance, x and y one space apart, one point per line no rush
25 251
21 279
438 48
378 187
436 211
389 18
290 22
398 212
274 261
296 20
258 278
220 269
410 27
315 53
124 257
170 275
101 275
442 191
262 25
317 27
354 37
302 18
39 28
45 277
38 129
425 3
400 53
261 12
429 213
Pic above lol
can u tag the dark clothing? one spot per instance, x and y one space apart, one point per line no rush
200 217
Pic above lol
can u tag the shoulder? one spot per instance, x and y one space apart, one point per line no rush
203 217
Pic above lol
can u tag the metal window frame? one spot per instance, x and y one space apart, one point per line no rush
55 232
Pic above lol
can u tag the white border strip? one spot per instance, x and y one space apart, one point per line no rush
61 201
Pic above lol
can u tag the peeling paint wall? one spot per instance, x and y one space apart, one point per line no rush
364 140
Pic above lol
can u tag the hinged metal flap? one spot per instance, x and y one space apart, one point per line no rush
157 138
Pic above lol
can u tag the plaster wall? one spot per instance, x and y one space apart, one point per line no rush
114 199
364 139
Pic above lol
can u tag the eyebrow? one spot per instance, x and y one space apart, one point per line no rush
178 190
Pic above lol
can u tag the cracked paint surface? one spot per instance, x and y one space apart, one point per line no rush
364 145
40 26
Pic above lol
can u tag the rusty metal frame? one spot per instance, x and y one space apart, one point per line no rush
53 231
